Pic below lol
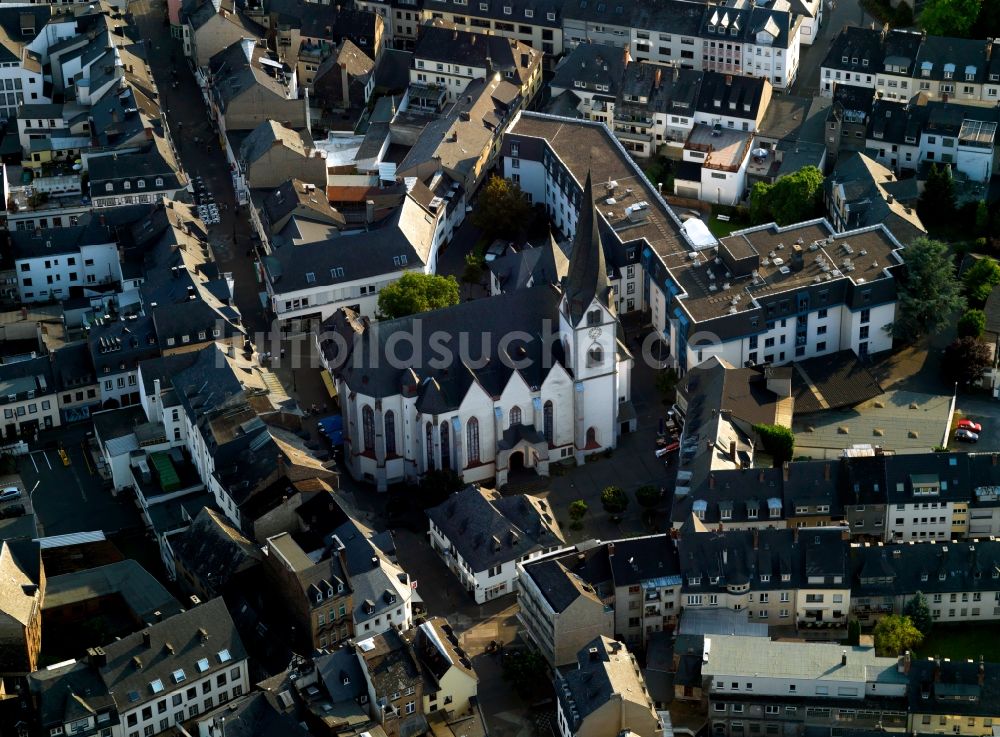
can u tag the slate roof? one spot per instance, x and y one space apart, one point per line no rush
863 182
255 716
949 470
20 577
214 551
119 345
514 59
543 12
239 68
357 63
953 687
390 664
131 685
21 377
992 310
69 693
600 677
392 70
545 264
929 567
573 573
338 666
328 258
487 529
58 241
271 133
859 45
739 557
12 21
370 581
72 366
831 382
142 593
118 169
635 560
739 96
590 64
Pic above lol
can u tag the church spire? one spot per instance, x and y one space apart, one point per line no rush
588 275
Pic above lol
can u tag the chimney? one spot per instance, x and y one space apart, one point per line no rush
593 652
97 657
797 258
826 472
937 669
711 481
203 634
784 470
611 550
904 663
729 80
795 535
374 561
890 198
369 211
345 85
168 648
657 78
981 672
994 459
732 451
843 657
756 538
146 638
281 464
725 556
760 476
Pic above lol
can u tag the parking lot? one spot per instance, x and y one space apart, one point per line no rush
72 498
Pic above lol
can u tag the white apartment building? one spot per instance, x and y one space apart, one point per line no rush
49 263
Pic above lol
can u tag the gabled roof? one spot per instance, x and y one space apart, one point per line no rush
487 529
213 551
271 133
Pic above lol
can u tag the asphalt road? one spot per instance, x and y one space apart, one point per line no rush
73 498
188 119
838 14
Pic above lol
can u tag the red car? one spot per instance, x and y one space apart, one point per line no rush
968 424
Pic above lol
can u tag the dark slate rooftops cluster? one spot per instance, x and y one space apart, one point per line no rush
561 577
767 558
124 172
954 687
58 241
736 96
533 12
856 50
589 65
119 345
451 45
930 567
487 529
374 375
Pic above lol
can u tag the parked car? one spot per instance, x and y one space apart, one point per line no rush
969 425
11 492
966 436
496 250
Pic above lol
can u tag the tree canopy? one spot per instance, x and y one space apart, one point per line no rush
965 360
979 280
416 292
931 292
778 440
791 199
895 634
919 613
502 210
648 496
950 17
937 202
972 324
614 500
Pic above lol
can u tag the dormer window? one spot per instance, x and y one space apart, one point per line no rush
923 576
126 185
786 577
178 676
843 60
550 16
765 578
529 13
109 187
340 588
942 576
159 181
713 580
694 580
507 10
319 598
141 184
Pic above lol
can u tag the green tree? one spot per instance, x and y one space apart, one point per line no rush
524 671
778 441
895 634
854 632
979 280
972 324
919 613
614 500
793 198
437 485
666 382
949 17
473 273
937 202
416 292
648 496
964 361
577 510
502 210
982 218
930 294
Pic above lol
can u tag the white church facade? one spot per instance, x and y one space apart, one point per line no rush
518 380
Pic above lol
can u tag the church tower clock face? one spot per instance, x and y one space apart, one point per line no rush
595 333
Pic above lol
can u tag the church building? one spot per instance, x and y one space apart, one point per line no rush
490 386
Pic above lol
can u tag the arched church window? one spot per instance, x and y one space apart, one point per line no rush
595 356
368 426
472 430
389 420
515 416
429 442
548 421
445 446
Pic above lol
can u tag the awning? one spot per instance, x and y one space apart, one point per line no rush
328 381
